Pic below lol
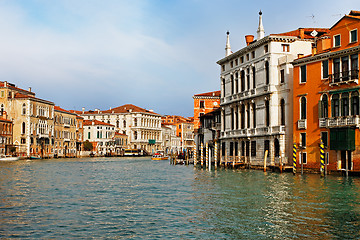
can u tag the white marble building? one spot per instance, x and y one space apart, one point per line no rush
256 95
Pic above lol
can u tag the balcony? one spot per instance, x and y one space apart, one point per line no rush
253 91
343 121
344 77
278 129
323 123
302 124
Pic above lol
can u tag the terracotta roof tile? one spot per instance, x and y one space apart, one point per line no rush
96 122
307 32
57 108
20 95
209 94
122 109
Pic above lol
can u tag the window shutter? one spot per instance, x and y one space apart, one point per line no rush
320 108
332 108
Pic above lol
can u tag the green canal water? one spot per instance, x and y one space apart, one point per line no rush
123 198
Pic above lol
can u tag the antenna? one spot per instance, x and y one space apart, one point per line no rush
312 17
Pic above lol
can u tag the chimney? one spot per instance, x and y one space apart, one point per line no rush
12 94
249 39
83 110
5 83
301 33
29 89
323 43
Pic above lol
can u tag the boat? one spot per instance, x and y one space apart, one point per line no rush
8 158
159 156
35 157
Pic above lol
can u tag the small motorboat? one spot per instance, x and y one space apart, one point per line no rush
35 157
4 158
159 156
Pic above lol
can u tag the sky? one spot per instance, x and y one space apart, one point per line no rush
155 54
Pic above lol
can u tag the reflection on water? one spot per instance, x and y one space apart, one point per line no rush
143 199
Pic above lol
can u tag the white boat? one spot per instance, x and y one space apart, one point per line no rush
8 158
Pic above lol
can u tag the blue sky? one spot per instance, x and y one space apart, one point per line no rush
155 54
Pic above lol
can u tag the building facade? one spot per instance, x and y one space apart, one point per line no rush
65 137
326 99
256 95
143 127
101 135
204 103
6 135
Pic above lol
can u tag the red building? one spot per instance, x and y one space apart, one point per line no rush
204 103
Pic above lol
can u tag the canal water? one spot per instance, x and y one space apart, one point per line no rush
128 198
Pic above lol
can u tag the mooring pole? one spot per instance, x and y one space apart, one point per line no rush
294 158
265 157
322 156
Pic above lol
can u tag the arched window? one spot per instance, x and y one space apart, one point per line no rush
335 108
135 135
324 106
276 148
135 122
242 76
254 115
303 108
23 128
282 112
242 113
248 115
254 77
345 104
355 103
24 109
2 108
117 123
124 123
267 75
232 83
267 113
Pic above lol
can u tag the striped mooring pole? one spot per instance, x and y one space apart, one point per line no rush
294 158
202 154
322 159
195 153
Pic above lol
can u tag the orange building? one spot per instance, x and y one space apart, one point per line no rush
326 99
204 103
184 129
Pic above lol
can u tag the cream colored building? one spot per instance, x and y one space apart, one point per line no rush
33 120
64 133
143 127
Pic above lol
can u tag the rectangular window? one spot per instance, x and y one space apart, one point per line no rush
267 147
303 140
285 47
324 138
282 75
2 94
223 68
303 158
253 148
325 69
337 41
266 48
231 64
353 36
241 59
247 57
202 104
303 74
236 62
253 54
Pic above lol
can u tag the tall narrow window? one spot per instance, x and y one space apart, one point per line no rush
254 115
325 69
232 83
354 67
282 112
282 75
303 108
355 103
23 128
267 113
335 105
237 117
253 148
267 147
24 109
242 76
324 107
248 115
232 118
345 68
303 74
124 123
324 138
236 82
303 140
248 78
336 63
202 104
223 87
345 104
253 77
242 115
267 74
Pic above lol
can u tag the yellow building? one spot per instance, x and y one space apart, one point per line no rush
33 120
65 133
